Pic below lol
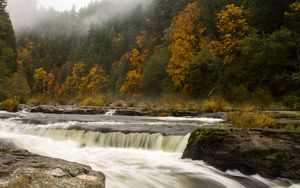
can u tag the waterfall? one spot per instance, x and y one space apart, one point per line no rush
172 143
110 112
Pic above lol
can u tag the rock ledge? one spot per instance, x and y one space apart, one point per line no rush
20 168
270 153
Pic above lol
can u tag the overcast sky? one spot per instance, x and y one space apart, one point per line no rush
63 4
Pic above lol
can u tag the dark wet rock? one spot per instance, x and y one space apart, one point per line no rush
130 112
64 109
20 168
270 153
127 111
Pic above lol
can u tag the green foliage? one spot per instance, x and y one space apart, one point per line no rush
267 16
203 73
291 101
199 135
242 51
20 88
7 51
289 127
155 71
10 105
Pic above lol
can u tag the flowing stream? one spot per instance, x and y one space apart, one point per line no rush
141 152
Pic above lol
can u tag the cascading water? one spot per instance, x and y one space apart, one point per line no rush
110 112
131 158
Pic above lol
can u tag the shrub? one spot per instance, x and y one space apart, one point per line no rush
38 100
291 101
118 104
289 127
10 105
93 101
215 104
250 117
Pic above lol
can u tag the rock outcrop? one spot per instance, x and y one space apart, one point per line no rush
270 153
20 168
59 109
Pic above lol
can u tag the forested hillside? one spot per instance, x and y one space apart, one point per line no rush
240 51
8 53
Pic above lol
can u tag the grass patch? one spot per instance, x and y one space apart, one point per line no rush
215 104
10 105
251 117
118 103
38 100
93 101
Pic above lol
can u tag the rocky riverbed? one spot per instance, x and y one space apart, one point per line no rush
20 168
271 153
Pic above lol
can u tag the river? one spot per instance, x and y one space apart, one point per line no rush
133 152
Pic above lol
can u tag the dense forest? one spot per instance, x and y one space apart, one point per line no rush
235 50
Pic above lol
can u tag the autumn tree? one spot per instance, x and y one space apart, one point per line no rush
44 82
233 27
133 77
95 81
73 82
185 33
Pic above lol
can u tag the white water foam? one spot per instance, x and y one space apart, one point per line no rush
201 119
110 112
124 167
127 168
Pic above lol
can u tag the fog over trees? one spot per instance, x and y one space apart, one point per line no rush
241 51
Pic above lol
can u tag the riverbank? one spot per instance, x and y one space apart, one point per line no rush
283 119
122 111
20 168
270 153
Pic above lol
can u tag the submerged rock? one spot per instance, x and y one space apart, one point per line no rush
270 153
20 168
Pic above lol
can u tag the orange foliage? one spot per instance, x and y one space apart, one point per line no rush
185 33
72 84
133 78
92 82
233 27
43 81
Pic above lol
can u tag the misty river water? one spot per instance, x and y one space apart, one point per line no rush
133 152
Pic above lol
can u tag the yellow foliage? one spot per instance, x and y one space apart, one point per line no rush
232 24
133 77
250 117
214 104
72 84
96 78
93 101
185 33
131 86
10 105
44 82
25 54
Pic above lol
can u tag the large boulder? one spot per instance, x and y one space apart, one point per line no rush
270 153
20 168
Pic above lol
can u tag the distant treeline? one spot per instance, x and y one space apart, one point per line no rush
241 50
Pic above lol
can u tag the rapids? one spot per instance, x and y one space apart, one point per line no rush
141 152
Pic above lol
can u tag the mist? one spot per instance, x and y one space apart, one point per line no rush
27 15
